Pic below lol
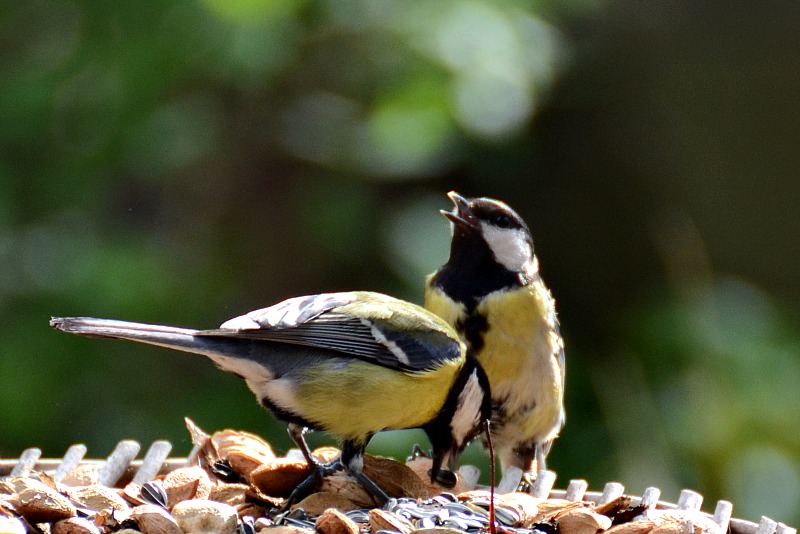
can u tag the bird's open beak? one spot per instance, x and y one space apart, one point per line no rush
462 215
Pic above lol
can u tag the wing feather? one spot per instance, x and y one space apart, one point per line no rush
317 321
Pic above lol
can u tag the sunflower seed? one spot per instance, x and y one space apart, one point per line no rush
359 515
425 522
478 509
248 525
455 522
506 515
458 507
154 493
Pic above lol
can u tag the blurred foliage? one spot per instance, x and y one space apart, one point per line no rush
183 161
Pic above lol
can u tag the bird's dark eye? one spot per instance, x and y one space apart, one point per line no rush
501 221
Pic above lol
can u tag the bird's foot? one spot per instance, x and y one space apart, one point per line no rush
317 473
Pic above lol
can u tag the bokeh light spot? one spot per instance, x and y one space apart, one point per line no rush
491 106
407 134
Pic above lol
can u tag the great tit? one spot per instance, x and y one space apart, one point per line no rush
350 364
491 292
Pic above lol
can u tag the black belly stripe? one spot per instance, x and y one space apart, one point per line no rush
472 328
287 416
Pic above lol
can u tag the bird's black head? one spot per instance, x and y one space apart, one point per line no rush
494 226
461 419
491 248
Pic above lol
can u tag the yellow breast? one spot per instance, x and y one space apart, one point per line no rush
519 354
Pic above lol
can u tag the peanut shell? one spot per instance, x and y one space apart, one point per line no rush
581 521
332 521
316 503
153 519
41 505
201 516
75 525
279 477
385 520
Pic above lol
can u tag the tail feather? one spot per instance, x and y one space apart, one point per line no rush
164 336
230 353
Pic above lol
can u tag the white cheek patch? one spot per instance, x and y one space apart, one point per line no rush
510 247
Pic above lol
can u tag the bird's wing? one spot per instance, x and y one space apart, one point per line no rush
407 342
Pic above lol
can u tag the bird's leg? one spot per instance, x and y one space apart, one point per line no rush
535 464
541 453
352 459
316 470
297 433
444 477
517 468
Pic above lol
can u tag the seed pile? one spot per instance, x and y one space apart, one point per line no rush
235 484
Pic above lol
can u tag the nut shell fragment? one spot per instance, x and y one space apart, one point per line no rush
385 520
550 508
641 526
243 451
614 506
82 475
316 503
326 454
75 525
200 516
153 519
333 521
682 522
582 521
285 529
187 483
41 505
422 466
10 486
398 480
279 477
97 498
349 488
233 494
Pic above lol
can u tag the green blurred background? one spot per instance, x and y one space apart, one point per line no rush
182 162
